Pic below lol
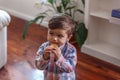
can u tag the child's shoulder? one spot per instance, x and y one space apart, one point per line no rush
71 49
70 46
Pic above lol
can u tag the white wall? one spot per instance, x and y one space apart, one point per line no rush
24 9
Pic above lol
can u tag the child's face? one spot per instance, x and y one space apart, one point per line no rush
58 36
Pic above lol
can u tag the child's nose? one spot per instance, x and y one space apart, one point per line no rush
55 38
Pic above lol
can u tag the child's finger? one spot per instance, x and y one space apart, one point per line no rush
56 53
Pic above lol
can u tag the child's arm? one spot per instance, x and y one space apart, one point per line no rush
41 63
67 64
42 59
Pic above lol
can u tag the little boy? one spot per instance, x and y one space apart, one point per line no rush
57 57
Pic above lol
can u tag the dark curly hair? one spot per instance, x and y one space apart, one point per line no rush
62 21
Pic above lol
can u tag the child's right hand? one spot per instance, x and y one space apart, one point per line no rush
47 52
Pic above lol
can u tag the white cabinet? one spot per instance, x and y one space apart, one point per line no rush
103 39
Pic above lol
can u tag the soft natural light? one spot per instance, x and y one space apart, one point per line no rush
38 74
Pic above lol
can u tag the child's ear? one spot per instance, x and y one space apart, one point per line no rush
69 37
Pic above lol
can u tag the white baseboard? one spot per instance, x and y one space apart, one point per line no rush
22 15
92 52
17 14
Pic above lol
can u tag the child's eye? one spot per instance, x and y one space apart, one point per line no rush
51 33
60 36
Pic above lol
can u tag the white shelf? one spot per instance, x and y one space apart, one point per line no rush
104 51
103 40
101 14
114 20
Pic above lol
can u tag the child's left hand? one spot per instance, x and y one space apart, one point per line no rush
56 50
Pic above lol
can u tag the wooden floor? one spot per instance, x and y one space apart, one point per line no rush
21 53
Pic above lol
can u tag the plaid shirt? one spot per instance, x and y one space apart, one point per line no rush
63 68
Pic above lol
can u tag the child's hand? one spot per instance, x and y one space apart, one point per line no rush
46 54
52 49
56 50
